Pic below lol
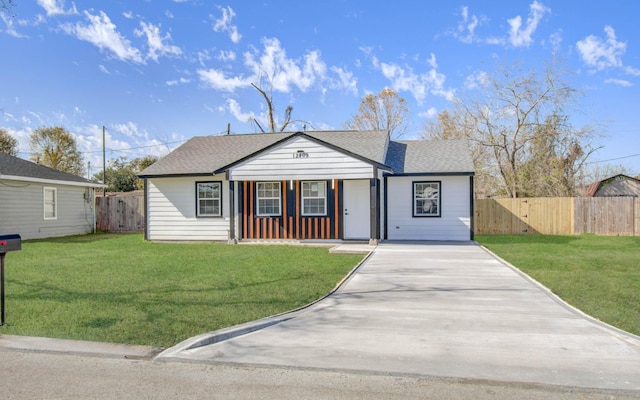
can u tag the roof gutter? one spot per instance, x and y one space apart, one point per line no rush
52 181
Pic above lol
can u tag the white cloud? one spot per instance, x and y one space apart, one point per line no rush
128 14
56 7
274 70
283 72
236 111
632 71
555 40
619 82
216 79
10 30
602 54
521 37
476 80
346 80
102 33
226 56
104 69
176 82
223 24
430 113
156 42
419 85
129 129
203 55
466 29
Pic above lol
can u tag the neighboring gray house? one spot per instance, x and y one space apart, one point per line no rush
39 202
615 186
311 185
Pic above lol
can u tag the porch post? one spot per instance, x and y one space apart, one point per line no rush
146 209
374 196
232 214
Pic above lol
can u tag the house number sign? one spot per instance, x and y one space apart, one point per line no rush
300 154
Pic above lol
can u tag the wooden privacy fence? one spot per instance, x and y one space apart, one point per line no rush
120 213
559 216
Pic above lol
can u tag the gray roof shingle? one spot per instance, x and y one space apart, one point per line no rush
430 156
202 155
14 166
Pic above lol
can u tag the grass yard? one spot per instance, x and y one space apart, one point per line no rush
599 275
118 288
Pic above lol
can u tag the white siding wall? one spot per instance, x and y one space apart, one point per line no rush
171 211
322 163
22 210
455 220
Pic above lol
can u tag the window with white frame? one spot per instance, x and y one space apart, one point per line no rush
314 198
209 203
268 198
426 199
50 202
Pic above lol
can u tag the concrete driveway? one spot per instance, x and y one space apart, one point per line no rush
435 309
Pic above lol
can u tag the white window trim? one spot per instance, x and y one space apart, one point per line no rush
219 198
44 202
258 198
303 198
417 214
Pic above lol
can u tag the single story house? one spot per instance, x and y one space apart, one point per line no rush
39 202
615 186
327 185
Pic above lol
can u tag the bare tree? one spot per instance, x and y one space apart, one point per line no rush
520 132
8 144
268 98
383 111
6 6
56 148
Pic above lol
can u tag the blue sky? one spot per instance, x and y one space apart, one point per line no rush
156 73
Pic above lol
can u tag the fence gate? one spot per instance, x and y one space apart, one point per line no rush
120 213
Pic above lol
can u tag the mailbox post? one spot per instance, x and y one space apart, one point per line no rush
11 242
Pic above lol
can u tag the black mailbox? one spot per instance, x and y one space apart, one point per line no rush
11 242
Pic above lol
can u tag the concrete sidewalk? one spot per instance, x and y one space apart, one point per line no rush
438 309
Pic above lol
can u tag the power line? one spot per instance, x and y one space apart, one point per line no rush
613 159
135 148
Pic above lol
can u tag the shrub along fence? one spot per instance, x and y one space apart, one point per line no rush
121 213
613 216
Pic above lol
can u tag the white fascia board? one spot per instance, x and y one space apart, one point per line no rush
52 181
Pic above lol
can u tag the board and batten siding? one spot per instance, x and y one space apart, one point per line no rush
301 159
454 222
171 211
22 210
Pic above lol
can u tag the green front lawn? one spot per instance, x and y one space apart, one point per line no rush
599 275
118 288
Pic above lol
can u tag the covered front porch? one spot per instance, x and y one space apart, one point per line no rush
324 209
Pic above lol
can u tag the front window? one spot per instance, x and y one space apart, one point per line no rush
268 198
426 199
314 198
209 202
50 196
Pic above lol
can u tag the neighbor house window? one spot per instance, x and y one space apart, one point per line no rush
209 203
268 198
50 196
426 199
314 198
